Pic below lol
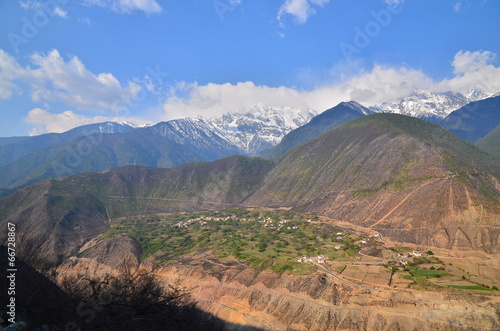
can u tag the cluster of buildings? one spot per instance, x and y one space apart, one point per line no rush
185 224
403 257
407 255
270 223
317 259
203 221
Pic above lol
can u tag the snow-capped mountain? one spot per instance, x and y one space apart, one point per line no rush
431 106
197 132
110 127
261 127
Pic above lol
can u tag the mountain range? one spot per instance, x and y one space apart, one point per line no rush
263 131
262 127
432 106
97 147
406 178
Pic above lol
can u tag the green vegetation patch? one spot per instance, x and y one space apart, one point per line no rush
262 239
429 273
471 287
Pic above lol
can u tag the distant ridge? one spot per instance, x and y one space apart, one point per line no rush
97 147
329 119
12 149
475 120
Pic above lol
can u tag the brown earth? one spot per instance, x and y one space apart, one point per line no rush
322 302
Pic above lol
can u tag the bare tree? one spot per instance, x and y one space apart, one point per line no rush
134 299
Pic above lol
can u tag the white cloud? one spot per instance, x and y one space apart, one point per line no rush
84 20
49 7
473 70
60 12
393 2
457 6
467 61
373 87
127 6
10 70
51 78
369 88
45 121
55 80
301 10
216 99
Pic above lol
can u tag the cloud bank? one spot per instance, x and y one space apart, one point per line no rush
53 79
373 87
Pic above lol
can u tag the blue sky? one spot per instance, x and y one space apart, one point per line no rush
66 63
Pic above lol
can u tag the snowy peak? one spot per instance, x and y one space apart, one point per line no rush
262 127
113 127
357 106
431 106
197 132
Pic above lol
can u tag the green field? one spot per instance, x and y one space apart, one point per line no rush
429 273
260 238
470 287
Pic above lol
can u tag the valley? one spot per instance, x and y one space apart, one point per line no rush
270 268
230 165
383 222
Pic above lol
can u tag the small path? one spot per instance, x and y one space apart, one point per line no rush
345 280
403 201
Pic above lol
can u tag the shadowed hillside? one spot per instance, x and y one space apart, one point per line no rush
491 143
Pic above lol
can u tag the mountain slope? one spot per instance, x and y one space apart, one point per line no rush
475 120
102 146
408 179
12 149
321 123
404 177
56 217
491 143
165 144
